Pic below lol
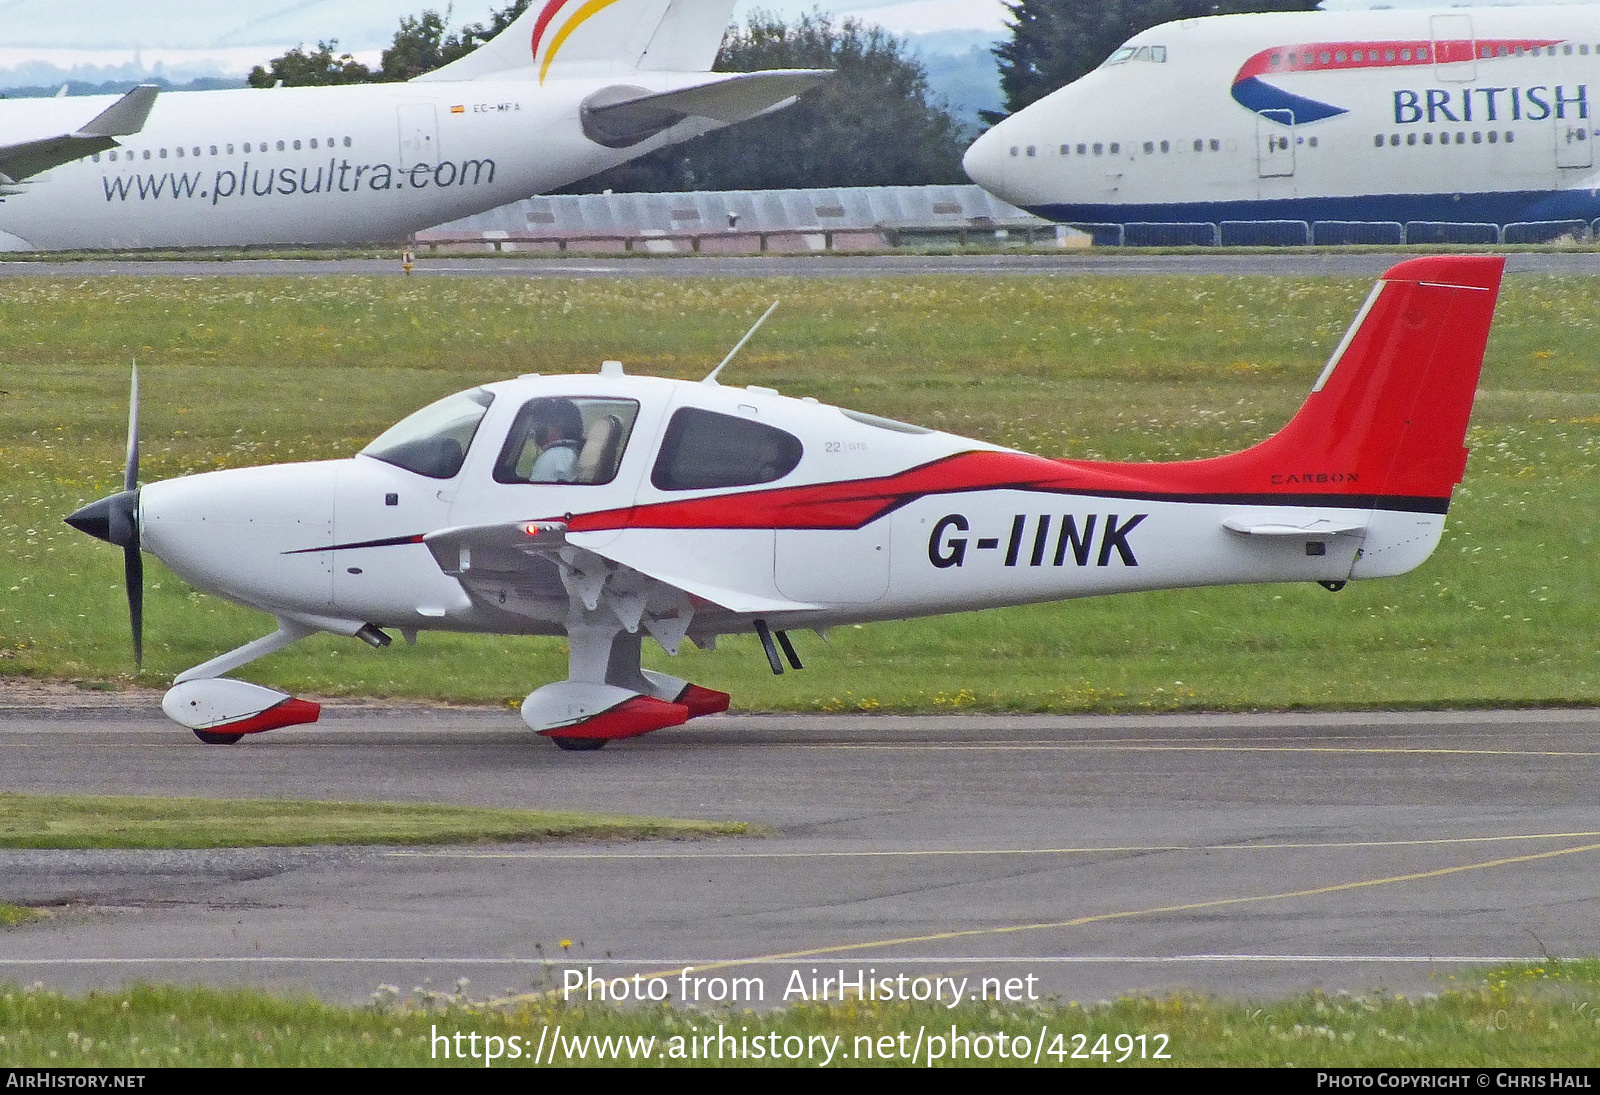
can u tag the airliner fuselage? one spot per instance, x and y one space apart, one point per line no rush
305 165
568 89
1464 115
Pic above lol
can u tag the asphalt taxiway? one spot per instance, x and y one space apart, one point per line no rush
1245 855
1362 264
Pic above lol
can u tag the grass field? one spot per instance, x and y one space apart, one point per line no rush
1536 1016
252 370
111 821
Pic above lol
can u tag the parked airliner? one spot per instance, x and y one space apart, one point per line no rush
1460 114
571 88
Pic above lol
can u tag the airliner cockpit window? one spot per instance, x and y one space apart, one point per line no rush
703 450
1153 54
566 440
434 441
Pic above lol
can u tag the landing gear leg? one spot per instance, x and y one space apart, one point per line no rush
220 710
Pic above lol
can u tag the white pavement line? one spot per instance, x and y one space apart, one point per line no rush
701 963
917 852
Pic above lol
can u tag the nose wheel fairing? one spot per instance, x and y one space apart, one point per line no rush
221 710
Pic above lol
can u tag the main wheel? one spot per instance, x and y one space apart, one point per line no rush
212 737
579 745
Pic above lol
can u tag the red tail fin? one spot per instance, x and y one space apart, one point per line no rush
1388 416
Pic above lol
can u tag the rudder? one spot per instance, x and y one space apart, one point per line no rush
1388 416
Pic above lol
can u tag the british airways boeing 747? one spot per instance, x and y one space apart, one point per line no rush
1461 114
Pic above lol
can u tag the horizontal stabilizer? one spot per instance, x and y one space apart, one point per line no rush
622 116
1315 528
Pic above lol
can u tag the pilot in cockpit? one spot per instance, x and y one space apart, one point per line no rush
556 427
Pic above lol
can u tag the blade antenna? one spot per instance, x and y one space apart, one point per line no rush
712 377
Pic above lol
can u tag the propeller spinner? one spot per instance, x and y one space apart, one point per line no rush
115 519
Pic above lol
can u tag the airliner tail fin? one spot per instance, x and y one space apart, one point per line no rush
556 39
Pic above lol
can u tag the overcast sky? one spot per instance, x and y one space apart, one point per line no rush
363 24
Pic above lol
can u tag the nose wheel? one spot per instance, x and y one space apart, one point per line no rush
579 745
211 737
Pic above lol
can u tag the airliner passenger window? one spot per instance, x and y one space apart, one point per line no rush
704 450
566 440
434 441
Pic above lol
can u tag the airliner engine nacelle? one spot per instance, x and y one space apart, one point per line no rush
609 508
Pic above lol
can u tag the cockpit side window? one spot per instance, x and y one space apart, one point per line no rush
566 440
434 441
704 449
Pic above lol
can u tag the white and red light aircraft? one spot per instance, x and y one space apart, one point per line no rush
610 507
569 89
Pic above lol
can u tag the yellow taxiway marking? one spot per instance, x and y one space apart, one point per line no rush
1086 850
1105 917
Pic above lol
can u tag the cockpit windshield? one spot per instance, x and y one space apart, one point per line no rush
1154 54
434 441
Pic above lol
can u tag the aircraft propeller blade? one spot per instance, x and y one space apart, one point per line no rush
133 576
132 561
130 474
115 519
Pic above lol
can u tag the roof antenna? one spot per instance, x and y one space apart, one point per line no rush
712 377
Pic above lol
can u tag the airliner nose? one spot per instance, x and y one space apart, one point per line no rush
985 161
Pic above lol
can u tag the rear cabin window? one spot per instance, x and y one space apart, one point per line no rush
566 440
703 450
